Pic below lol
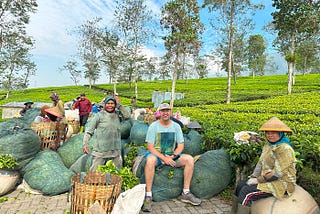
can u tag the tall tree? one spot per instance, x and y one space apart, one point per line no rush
232 24
308 57
201 67
16 66
71 67
132 19
294 21
182 20
88 51
257 58
113 52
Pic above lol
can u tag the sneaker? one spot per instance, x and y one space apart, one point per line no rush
147 204
190 198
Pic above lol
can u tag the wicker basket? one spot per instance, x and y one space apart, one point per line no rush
91 187
75 124
50 133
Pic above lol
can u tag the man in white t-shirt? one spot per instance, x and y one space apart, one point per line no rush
165 146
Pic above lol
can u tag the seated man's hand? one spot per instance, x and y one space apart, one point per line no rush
168 161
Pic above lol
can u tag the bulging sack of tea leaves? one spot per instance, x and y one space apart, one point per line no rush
72 149
47 173
19 140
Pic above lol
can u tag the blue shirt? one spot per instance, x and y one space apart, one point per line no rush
165 139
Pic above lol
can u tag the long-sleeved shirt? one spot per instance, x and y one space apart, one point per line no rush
106 126
280 161
84 106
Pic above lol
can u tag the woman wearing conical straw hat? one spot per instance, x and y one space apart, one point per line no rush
274 174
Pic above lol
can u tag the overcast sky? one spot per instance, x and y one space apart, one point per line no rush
54 45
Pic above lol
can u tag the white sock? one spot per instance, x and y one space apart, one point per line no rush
185 191
149 194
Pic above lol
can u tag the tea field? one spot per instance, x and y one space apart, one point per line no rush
253 101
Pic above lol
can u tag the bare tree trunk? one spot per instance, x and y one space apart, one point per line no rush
174 80
291 65
135 72
228 98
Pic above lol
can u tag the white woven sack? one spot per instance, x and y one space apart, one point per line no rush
25 186
8 181
130 201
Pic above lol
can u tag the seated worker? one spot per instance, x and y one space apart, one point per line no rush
165 146
27 105
42 116
274 174
54 114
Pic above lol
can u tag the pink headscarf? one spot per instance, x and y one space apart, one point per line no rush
157 114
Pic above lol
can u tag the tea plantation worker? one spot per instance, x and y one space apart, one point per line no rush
106 126
27 105
274 174
57 103
54 114
42 116
85 107
165 146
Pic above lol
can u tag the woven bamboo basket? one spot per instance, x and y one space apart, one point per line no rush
75 124
50 133
87 188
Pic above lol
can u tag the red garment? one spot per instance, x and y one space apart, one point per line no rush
84 106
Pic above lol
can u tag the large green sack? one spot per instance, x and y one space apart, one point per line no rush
30 115
164 187
47 173
192 143
212 174
138 133
19 140
125 129
72 149
83 164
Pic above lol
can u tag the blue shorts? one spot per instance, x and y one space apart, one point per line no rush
159 161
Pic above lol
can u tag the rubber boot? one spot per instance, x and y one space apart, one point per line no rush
243 209
81 129
234 205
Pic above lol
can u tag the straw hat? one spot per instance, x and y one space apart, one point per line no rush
43 109
276 125
54 111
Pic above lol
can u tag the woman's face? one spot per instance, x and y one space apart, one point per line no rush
110 106
273 136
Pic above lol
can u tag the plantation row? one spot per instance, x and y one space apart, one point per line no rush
204 101
299 111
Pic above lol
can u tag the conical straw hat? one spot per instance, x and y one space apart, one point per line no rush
54 111
276 125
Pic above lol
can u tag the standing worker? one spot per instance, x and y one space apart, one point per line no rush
85 107
106 126
57 103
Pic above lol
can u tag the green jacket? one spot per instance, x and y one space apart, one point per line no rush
106 128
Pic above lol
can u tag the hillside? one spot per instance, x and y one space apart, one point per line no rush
253 101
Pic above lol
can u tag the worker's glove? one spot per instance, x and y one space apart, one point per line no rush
252 181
